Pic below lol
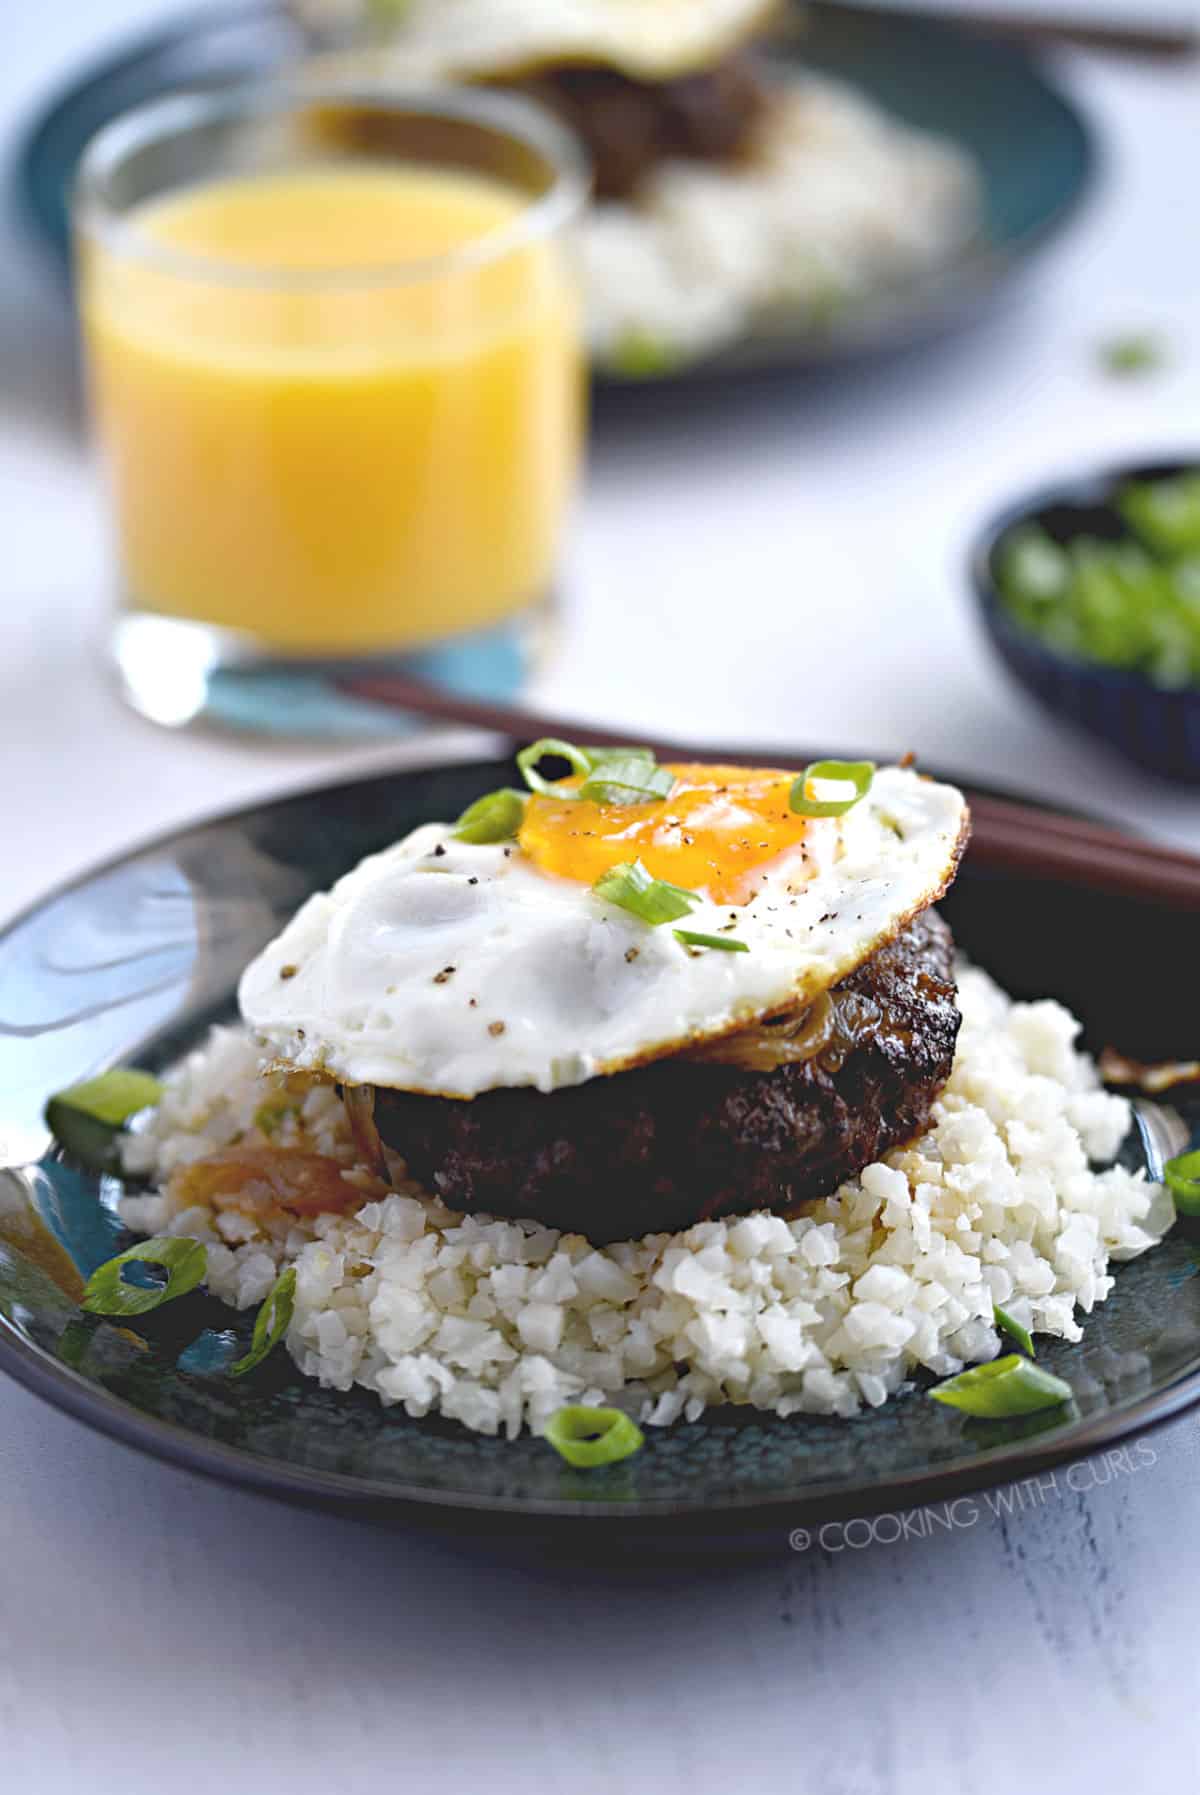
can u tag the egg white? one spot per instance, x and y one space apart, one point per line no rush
461 39
447 968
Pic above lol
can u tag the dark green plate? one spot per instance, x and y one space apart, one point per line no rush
1032 147
134 961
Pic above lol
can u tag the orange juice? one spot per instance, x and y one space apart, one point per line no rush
321 424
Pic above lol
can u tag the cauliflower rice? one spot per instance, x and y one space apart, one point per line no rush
498 1324
840 203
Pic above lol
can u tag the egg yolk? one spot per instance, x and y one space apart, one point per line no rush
718 831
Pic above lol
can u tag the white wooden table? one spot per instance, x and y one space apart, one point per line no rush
784 564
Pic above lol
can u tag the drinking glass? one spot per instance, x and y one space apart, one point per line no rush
333 346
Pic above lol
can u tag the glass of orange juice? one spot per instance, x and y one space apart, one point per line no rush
333 347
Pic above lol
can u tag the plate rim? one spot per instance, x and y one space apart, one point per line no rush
37 1370
103 1412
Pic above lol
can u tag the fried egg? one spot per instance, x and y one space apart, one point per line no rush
449 968
650 40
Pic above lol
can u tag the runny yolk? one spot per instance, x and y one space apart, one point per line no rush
717 832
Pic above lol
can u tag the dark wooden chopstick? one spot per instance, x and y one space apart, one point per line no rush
1006 835
1070 27
1132 40
1016 838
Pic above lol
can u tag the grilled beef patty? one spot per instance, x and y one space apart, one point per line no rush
691 1137
628 126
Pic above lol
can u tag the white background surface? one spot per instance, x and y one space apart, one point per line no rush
784 563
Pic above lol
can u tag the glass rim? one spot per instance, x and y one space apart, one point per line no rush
506 115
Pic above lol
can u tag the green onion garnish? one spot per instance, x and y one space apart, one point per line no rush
1181 1176
186 1262
1129 601
271 1323
86 1118
114 1096
631 888
627 780
856 773
1013 1329
586 1436
1138 354
693 938
1008 1386
528 758
1165 513
610 775
640 355
495 817
269 1117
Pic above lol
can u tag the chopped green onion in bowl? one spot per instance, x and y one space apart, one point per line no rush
857 774
1021 1335
497 816
185 1261
630 887
1165 514
1131 602
587 1437
1005 1387
86 1118
1181 1176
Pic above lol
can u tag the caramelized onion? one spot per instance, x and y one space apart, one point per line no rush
827 1029
258 1180
359 1100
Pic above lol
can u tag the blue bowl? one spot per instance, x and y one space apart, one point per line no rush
1157 728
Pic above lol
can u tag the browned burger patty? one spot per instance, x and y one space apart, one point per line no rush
628 126
691 1137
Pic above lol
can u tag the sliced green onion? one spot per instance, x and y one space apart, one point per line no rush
727 944
627 780
494 817
1165 513
858 773
601 756
528 759
114 1096
186 1262
631 888
269 1117
1138 354
616 775
272 1322
1008 1386
1013 1329
85 1119
640 355
1131 600
1181 1176
587 1437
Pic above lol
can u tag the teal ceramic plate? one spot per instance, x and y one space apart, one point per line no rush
133 961
1032 148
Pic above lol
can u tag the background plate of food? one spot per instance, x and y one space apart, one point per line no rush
777 187
406 1261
